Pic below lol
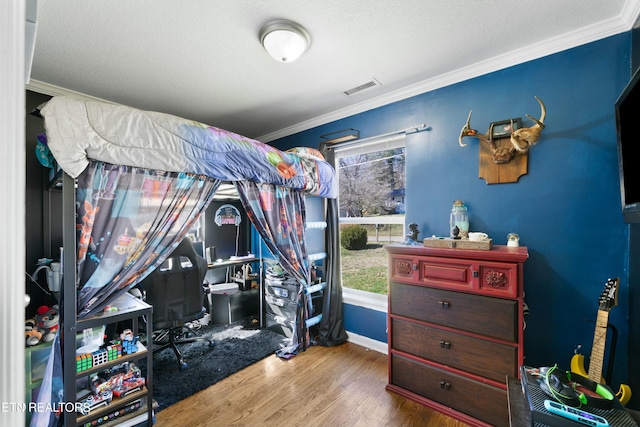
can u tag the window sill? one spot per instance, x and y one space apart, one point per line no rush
364 299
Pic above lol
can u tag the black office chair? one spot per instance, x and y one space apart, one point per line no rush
176 292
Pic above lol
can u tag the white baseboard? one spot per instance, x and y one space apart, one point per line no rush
379 346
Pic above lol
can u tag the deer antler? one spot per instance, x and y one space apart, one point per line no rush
467 131
499 154
523 139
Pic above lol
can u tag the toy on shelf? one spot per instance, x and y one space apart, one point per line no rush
129 342
99 357
121 380
95 401
43 327
116 382
118 413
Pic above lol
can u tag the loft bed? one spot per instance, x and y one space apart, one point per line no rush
136 181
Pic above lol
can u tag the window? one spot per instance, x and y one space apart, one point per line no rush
371 179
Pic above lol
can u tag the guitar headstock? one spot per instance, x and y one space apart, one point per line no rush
609 296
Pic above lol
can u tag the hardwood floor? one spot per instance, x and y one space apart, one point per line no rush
323 386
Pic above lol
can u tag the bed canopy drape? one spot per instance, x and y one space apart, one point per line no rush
145 177
129 220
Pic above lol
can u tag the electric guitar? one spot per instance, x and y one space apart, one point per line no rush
608 299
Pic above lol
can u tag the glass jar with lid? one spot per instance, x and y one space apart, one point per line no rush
459 221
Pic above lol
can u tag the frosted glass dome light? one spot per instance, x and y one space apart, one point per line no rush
285 40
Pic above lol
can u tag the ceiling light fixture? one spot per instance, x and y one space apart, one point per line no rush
284 40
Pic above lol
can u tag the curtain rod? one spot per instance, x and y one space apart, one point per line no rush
407 131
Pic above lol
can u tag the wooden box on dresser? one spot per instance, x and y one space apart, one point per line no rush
456 328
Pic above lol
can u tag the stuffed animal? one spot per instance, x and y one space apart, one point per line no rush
43 327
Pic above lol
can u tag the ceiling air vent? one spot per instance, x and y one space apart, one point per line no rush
368 85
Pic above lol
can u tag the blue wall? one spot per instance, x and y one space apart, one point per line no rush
365 322
566 209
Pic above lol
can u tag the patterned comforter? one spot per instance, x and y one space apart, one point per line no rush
79 130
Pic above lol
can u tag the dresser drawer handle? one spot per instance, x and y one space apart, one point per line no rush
445 344
445 385
444 304
415 267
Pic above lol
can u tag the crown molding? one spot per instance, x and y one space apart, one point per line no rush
53 90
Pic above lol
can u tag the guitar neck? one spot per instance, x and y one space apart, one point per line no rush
597 350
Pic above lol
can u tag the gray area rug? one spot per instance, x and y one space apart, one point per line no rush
237 346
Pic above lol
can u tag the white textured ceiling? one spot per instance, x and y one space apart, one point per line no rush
201 59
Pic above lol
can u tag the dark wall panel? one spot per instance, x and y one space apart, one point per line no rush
43 231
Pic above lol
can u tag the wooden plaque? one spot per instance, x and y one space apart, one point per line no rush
494 173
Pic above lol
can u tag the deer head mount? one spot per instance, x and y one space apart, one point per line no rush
521 139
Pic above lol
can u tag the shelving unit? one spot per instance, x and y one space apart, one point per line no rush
129 308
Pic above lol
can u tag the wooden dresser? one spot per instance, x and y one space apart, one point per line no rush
456 328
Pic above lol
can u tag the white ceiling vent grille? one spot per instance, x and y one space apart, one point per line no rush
365 86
